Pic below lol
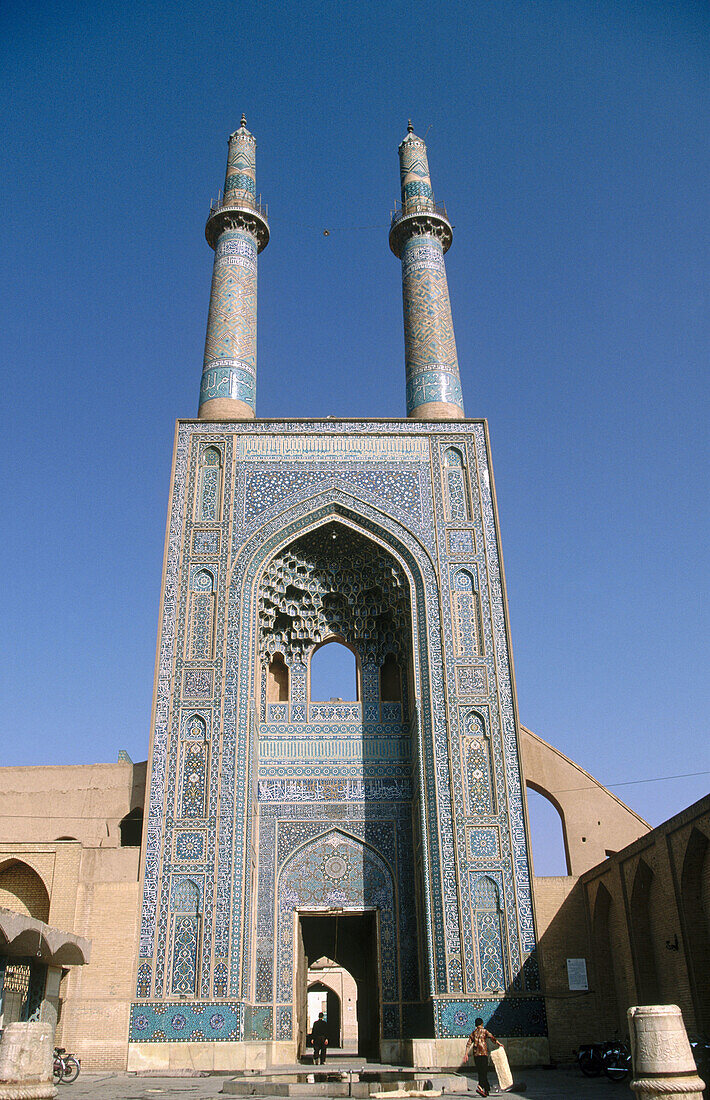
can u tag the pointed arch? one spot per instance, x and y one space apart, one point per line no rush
607 1002
209 502
22 890
131 828
457 496
344 671
336 870
278 531
487 920
695 875
642 941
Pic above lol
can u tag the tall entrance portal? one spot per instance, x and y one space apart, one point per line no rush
350 940
384 831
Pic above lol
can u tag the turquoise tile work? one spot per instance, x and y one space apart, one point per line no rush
420 235
238 231
410 807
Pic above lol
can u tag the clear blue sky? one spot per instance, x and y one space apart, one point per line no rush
569 141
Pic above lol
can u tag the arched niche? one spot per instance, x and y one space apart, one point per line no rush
607 1003
458 505
695 895
642 940
277 680
210 485
23 891
131 828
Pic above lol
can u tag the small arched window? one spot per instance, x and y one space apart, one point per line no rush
131 828
333 673
277 680
390 680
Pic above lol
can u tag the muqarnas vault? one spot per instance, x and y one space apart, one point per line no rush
385 832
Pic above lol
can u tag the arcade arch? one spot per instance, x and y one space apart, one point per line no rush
23 891
695 894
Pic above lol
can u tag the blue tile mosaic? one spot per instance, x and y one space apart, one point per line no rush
399 805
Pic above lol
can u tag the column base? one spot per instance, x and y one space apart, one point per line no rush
686 1088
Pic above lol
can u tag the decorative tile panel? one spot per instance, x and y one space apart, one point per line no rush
472 681
461 542
319 773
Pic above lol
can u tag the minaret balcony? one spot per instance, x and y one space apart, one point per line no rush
419 216
240 211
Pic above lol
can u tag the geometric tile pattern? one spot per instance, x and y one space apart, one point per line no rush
414 168
335 818
430 348
229 368
334 584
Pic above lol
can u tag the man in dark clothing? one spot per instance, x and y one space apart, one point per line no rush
319 1033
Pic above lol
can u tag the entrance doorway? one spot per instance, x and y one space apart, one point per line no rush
350 940
323 999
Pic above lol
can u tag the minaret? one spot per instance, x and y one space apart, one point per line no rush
420 235
237 230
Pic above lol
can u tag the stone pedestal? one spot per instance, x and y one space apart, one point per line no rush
663 1064
26 1052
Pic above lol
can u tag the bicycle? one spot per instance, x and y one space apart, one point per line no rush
616 1061
66 1067
611 1058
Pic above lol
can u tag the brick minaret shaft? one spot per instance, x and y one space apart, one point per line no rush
237 230
420 235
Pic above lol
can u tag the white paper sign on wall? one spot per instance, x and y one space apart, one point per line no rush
577 974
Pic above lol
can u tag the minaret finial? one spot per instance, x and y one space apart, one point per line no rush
244 119
420 235
237 229
410 128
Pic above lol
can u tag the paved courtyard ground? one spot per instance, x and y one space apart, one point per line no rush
563 1083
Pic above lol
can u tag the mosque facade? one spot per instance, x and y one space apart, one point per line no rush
277 821
180 914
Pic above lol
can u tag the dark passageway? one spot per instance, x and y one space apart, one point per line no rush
350 940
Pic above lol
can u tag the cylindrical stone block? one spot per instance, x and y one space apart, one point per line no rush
229 369
429 346
26 1062
663 1063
